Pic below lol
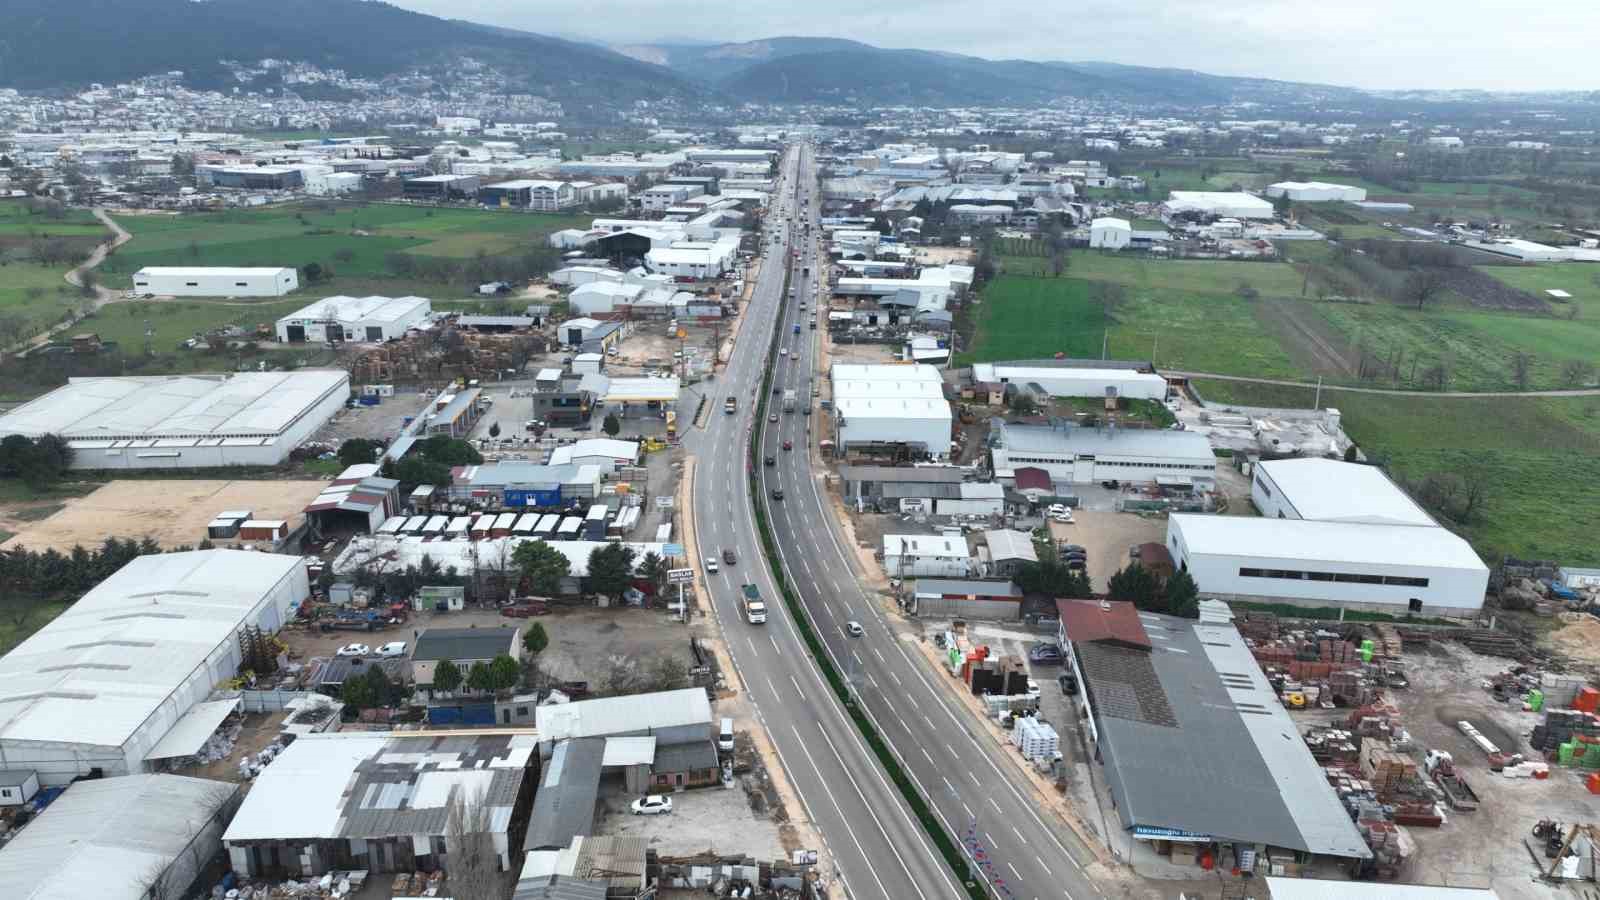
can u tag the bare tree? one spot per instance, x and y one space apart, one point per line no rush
1577 372
472 863
1424 285
1521 368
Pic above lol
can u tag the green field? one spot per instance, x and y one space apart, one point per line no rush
1581 281
1032 318
17 220
1207 276
353 240
1541 457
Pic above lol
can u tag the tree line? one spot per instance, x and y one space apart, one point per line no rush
30 579
39 461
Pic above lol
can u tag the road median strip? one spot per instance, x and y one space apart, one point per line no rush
947 846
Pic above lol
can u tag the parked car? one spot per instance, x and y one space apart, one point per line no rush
1064 518
1134 552
711 564
854 628
353 650
1077 564
1074 548
1068 682
652 805
1033 689
728 556
1046 654
393 650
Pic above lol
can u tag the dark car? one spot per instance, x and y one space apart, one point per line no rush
770 460
1068 682
1076 564
1045 654
1111 485
777 493
1074 548
728 557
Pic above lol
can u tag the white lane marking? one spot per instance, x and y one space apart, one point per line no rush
753 649
992 844
881 830
927 754
1015 872
1019 834
774 641
846 819
895 677
796 683
880 655
970 813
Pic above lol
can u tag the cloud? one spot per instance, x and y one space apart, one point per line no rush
1487 44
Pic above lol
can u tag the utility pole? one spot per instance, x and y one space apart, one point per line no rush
1317 402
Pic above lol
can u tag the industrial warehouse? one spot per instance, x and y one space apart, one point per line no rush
184 421
1192 738
354 319
120 680
889 406
1334 534
1073 454
211 281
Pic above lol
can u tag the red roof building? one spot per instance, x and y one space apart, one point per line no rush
1102 621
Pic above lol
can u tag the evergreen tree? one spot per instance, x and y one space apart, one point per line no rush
446 676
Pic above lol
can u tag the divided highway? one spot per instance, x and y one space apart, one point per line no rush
878 846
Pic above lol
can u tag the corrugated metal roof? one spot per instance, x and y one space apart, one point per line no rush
101 838
1332 490
966 588
192 731
563 807
1090 621
1334 543
637 714
109 662
685 757
1194 739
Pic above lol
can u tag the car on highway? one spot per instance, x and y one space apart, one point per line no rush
854 628
652 805
728 556
353 650
772 417
777 493
783 351
711 564
392 650
770 460
788 445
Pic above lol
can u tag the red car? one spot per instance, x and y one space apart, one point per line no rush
788 445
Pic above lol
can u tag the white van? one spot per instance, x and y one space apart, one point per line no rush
725 737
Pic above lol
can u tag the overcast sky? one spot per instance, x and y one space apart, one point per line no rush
1492 44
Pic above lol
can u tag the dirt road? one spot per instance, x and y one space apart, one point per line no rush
1579 392
74 277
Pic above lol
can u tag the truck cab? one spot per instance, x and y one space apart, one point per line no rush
755 611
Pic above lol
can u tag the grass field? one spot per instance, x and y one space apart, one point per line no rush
1541 456
17 220
177 320
1030 318
12 634
1207 276
1025 317
1582 282
324 232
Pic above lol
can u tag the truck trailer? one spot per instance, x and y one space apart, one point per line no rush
755 611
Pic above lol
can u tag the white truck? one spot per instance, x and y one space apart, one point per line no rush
755 611
789 401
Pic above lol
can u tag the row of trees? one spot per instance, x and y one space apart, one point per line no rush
612 568
1176 595
499 674
39 461
30 579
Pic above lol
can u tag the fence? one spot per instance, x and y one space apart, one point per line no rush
264 701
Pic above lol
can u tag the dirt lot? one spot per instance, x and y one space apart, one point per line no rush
381 422
938 256
1106 536
716 820
859 353
172 512
1483 847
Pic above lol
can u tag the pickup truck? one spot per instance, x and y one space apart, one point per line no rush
755 611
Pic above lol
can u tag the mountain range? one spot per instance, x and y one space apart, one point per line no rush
49 44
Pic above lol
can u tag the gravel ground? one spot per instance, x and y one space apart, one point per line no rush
706 819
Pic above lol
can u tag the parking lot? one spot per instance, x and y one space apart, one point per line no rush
1106 536
715 820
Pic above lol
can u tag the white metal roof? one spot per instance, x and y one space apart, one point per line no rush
629 751
101 668
1323 889
1352 543
218 271
884 372
892 408
191 732
621 715
639 390
925 545
252 403
102 838
410 550
353 310
1330 490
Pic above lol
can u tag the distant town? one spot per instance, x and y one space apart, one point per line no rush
412 485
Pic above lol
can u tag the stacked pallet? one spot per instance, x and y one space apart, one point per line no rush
1493 643
1036 740
1332 745
1388 641
1390 773
1560 726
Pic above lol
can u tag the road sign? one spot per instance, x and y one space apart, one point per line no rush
680 576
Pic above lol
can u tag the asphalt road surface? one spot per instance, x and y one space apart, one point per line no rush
879 848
